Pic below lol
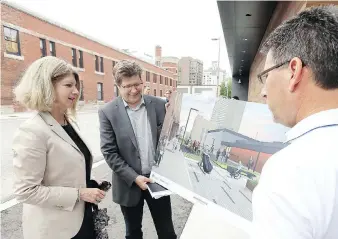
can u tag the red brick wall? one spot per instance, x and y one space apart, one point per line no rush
172 67
283 11
12 69
238 154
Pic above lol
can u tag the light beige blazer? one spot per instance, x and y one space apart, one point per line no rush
48 169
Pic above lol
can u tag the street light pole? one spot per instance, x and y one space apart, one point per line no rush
186 125
219 57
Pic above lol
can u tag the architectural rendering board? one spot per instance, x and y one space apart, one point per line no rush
215 148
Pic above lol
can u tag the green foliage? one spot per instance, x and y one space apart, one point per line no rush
223 88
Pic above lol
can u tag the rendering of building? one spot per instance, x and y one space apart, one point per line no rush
245 26
27 36
228 114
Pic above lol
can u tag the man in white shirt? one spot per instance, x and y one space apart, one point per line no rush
297 195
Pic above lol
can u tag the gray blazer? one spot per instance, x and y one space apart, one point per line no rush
119 146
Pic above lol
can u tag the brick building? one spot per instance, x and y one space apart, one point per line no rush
168 63
246 25
26 36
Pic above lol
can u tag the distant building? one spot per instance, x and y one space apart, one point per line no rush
27 36
190 71
210 75
168 63
158 55
191 89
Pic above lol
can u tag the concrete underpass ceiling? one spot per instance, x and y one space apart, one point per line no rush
244 24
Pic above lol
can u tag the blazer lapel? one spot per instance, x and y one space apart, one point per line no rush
151 112
125 118
57 129
77 130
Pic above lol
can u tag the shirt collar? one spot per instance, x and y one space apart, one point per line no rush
318 120
138 106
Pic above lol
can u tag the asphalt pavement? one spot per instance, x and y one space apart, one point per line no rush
218 187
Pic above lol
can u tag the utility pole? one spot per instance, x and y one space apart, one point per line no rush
219 57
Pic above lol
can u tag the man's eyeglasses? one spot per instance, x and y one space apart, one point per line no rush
129 87
262 76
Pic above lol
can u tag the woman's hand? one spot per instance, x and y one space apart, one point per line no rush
93 195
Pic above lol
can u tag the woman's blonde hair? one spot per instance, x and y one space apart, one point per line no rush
36 89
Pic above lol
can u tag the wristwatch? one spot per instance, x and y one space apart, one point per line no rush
78 195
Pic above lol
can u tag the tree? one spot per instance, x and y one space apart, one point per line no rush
223 88
229 80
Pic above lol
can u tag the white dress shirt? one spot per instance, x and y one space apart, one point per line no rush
297 195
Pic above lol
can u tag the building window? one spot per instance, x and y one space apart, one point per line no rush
154 78
161 80
74 58
12 41
166 80
116 91
52 48
171 82
148 76
43 47
114 63
96 63
101 64
154 92
81 59
100 91
81 90
161 93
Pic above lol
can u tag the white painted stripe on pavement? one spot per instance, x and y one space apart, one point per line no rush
8 204
95 165
13 202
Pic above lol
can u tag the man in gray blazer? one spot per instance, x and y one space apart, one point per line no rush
130 127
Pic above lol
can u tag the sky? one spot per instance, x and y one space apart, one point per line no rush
204 103
181 27
257 123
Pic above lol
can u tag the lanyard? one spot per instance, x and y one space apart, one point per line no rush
319 127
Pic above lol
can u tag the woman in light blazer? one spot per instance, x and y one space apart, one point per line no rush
52 164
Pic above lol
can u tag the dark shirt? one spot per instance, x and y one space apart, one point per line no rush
87 227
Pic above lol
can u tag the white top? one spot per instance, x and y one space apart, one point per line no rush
297 195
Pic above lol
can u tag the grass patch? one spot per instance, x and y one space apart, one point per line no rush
192 156
222 165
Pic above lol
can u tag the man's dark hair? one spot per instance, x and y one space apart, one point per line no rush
235 98
312 36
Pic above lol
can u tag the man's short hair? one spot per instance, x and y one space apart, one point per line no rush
126 68
312 36
235 98
36 91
